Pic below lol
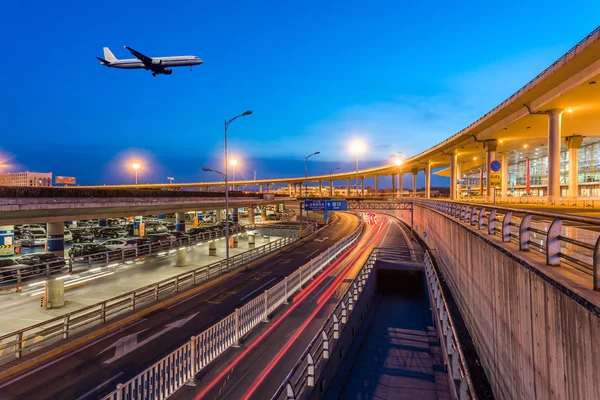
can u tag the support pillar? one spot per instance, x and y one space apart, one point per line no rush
7 240
320 188
459 178
235 240
251 241
376 185
219 215
181 257
428 181
394 190
260 189
290 189
573 144
56 238
102 222
414 182
136 224
554 132
348 188
453 162
362 186
180 222
400 184
504 191
212 248
491 146
263 214
481 181
55 293
251 214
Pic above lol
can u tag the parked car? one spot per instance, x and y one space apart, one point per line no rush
112 232
169 225
118 244
42 258
34 226
82 235
161 238
68 235
33 237
197 231
178 234
86 249
9 270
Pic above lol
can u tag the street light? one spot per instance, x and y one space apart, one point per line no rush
136 166
171 179
226 125
305 188
330 181
357 147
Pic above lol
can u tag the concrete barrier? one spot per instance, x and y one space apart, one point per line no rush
535 330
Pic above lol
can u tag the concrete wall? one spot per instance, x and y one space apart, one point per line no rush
537 338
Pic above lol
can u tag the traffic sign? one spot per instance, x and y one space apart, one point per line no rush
495 180
337 205
325 215
495 166
314 205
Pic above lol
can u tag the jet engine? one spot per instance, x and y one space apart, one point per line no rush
156 62
167 71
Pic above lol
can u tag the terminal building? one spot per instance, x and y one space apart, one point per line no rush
26 179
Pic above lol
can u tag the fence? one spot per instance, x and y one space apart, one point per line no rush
458 374
582 202
21 342
170 373
558 243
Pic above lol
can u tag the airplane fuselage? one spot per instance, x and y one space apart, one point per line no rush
159 62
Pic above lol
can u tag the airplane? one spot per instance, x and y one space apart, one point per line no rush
158 65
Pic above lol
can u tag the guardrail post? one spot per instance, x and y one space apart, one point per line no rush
310 377
481 218
336 327
119 391
290 395
344 313
266 318
19 345
132 298
285 290
237 328
524 233
325 345
156 292
506 227
193 355
473 216
596 265
66 326
492 222
103 312
462 212
553 243
176 284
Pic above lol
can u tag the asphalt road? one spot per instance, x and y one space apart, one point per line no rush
94 370
256 375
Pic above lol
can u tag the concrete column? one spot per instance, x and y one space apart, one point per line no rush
290 189
573 144
376 184
266 238
453 162
102 222
331 188
251 214
348 188
136 224
491 146
414 181
400 183
263 213
181 257
394 190
251 241
428 181
320 188
236 241
219 215
554 132
55 293
362 186
56 238
268 188
7 240
504 194
212 248
180 222
459 177
235 217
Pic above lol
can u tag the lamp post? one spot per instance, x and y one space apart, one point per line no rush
357 148
305 189
170 178
330 180
136 166
226 125
398 163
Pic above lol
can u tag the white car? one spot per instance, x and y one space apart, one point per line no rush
33 237
34 226
118 244
68 235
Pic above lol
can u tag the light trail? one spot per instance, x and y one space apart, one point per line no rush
297 301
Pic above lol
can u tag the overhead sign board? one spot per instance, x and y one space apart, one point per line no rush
337 205
495 166
495 180
314 205
65 180
268 196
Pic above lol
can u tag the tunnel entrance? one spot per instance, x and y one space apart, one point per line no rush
408 283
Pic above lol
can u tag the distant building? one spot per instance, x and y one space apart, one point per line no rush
26 179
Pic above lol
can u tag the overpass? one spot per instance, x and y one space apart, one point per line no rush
550 118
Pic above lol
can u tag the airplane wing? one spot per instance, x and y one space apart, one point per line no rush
143 58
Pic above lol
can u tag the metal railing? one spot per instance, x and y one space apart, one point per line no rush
458 373
559 243
171 372
582 202
26 340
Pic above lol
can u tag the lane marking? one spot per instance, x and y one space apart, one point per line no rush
308 256
256 290
83 396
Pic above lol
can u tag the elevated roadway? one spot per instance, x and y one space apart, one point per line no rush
94 369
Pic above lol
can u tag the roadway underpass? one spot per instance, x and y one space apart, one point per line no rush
94 369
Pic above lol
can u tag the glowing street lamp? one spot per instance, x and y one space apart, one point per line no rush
357 147
136 166
233 164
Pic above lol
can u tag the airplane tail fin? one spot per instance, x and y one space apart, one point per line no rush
108 55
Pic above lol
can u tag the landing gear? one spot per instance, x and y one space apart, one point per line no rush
154 74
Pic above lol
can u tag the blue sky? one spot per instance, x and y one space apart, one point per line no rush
400 76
